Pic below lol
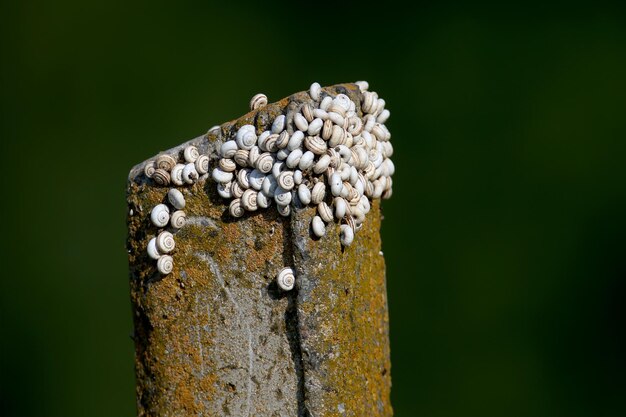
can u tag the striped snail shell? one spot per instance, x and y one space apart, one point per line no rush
152 250
235 208
322 164
350 222
279 124
391 169
191 153
386 195
235 189
335 158
344 152
294 158
285 180
178 219
282 196
227 165
165 264
221 176
336 185
283 140
324 211
202 164
265 162
161 176
176 198
241 157
304 194
370 141
177 174
338 136
246 137
355 125
318 193
255 179
295 141
376 157
387 149
165 242
327 129
286 279
258 101
228 149
369 121
379 132
314 91
149 168
336 118
318 226
283 210
262 200
340 207
249 200
270 143
262 138
242 178
315 127
346 235
306 161
269 185
165 162
300 122
190 175
224 190
315 144
307 112
326 103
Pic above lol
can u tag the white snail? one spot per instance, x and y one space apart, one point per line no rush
228 149
165 162
279 124
315 144
178 219
235 208
149 169
191 154
285 180
318 193
165 242
295 141
294 158
160 215
165 264
346 235
161 176
318 226
300 122
324 211
286 279
152 250
177 174
282 196
304 194
222 176
202 164
314 91
246 137
176 198
190 175
249 200
258 101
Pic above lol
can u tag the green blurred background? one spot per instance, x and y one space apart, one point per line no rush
505 239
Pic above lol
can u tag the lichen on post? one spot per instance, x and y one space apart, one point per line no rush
215 332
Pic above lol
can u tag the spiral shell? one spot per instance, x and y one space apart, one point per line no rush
314 91
165 264
283 140
165 242
338 136
258 101
307 112
318 226
283 210
235 189
221 176
224 190
149 168
253 155
315 127
262 200
242 178
306 161
322 164
295 141
161 176
190 175
315 144
191 154
241 157
228 149
341 207
255 179
363 85
176 198
285 180
282 196
246 137
300 122
270 143
324 211
318 193
279 124
304 194
326 103
152 250
249 200
178 219
235 208
165 162
346 235
355 125
327 129
336 118
294 158
176 176
297 177
265 162
286 279
277 168
202 164
227 165
160 215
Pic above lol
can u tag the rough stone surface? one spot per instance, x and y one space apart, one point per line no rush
217 337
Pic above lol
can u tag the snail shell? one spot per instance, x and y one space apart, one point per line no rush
370 121
324 211
306 161
256 178
269 185
165 264
242 178
336 118
283 140
315 144
286 279
295 141
386 195
315 127
282 196
191 154
304 194
222 176
265 162
176 198
177 174
327 129
165 242
235 209
354 176
279 124
300 122
383 116
387 149
322 164
241 157
370 141
318 226
224 190
282 154
322 114
161 176
270 143
153 252
190 175
246 137
343 101
165 162
379 131
314 91
249 200
227 165
326 103
346 235
235 189
284 210
277 168
363 85
160 215
178 219
262 200
202 164
318 193
285 180
307 112
297 177
355 125
258 101
350 221
338 110
338 136
340 207
336 185
228 149
149 169
253 155
390 168
294 158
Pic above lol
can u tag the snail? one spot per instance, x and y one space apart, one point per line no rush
165 162
324 211
300 122
149 168
314 91
294 158
326 103
304 194
235 209
285 180
315 144
258 101
265 162
235 189
282 140
346 235
262 200
321 114
176 176
306 161
282 196
227 165
269 185
178 219
161 176
242 157
242 178
318 193
255 179
165 264
315 127
152 250
246 137
176 198
318 226
191 154
295 141
190 175
228 149
160 215
286 279
202 164
279 124
221 176
249 200
224 190
284 210
307 112
165 242
282 154
322 164
340 207
336 185
253 155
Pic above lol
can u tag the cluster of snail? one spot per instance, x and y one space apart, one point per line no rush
330 158
165 169
160 247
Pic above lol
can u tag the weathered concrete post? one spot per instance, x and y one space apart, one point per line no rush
218 337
